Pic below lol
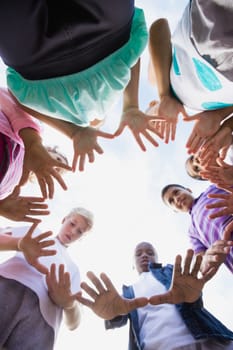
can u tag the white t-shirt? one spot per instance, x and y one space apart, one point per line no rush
18 269
161 326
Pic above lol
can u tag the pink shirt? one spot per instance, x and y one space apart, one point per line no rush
12 120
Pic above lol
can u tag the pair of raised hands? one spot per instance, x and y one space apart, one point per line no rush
186 287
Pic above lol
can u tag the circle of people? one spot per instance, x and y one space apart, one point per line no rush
77 59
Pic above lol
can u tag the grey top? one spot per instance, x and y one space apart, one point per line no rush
212 33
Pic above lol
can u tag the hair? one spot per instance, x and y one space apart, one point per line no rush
87 214
194 176
166 188
149 243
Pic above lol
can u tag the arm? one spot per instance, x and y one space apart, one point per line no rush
84 138
60 293
161 57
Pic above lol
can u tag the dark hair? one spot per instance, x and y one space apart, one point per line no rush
194 176
166 188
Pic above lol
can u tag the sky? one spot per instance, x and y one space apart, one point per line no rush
122 188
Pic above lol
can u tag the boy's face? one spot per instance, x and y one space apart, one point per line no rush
73 227
143 255
178 199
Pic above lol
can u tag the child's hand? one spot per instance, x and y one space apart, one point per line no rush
169 109
217 145
38 160
35 247
85 143
221 175
59 287
224 204
139 123
18 208
206 125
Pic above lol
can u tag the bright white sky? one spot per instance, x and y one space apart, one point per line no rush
122 188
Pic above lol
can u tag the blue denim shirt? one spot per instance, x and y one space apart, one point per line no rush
201 323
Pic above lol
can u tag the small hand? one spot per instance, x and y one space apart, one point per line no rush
215 255
35 247
17 208
106 302
85 143
59 288
169 108
186 285
38 160
139 123
217 145
225 203
206 125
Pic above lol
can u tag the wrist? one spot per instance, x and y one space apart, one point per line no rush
130 109
19 245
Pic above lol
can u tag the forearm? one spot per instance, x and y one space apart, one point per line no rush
72 316
66 128
228 123
130 96
161 55
7 242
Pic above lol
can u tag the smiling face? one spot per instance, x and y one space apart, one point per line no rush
73 228
143 255
179 199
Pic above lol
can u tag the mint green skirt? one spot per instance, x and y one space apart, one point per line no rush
90 94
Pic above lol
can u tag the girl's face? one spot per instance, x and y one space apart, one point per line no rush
73 228
193 166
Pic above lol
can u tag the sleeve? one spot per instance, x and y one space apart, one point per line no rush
17 117
195 242
116 322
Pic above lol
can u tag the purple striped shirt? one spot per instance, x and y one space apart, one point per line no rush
203 232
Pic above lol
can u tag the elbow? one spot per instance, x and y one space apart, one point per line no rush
157 26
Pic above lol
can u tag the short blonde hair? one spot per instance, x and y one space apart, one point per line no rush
87 214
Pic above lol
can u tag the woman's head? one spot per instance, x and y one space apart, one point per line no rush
193 167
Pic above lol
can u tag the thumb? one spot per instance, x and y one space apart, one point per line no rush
160 299
120 129
137 302
188 118
227 234
24 177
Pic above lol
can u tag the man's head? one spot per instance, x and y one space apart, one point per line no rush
144 254
177 197
75 225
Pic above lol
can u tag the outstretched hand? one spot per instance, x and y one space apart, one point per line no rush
207 123
140 124
105 301
59 287
215 255
169 108
17 208
186 286
38 160
225 203
35 247
85 143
